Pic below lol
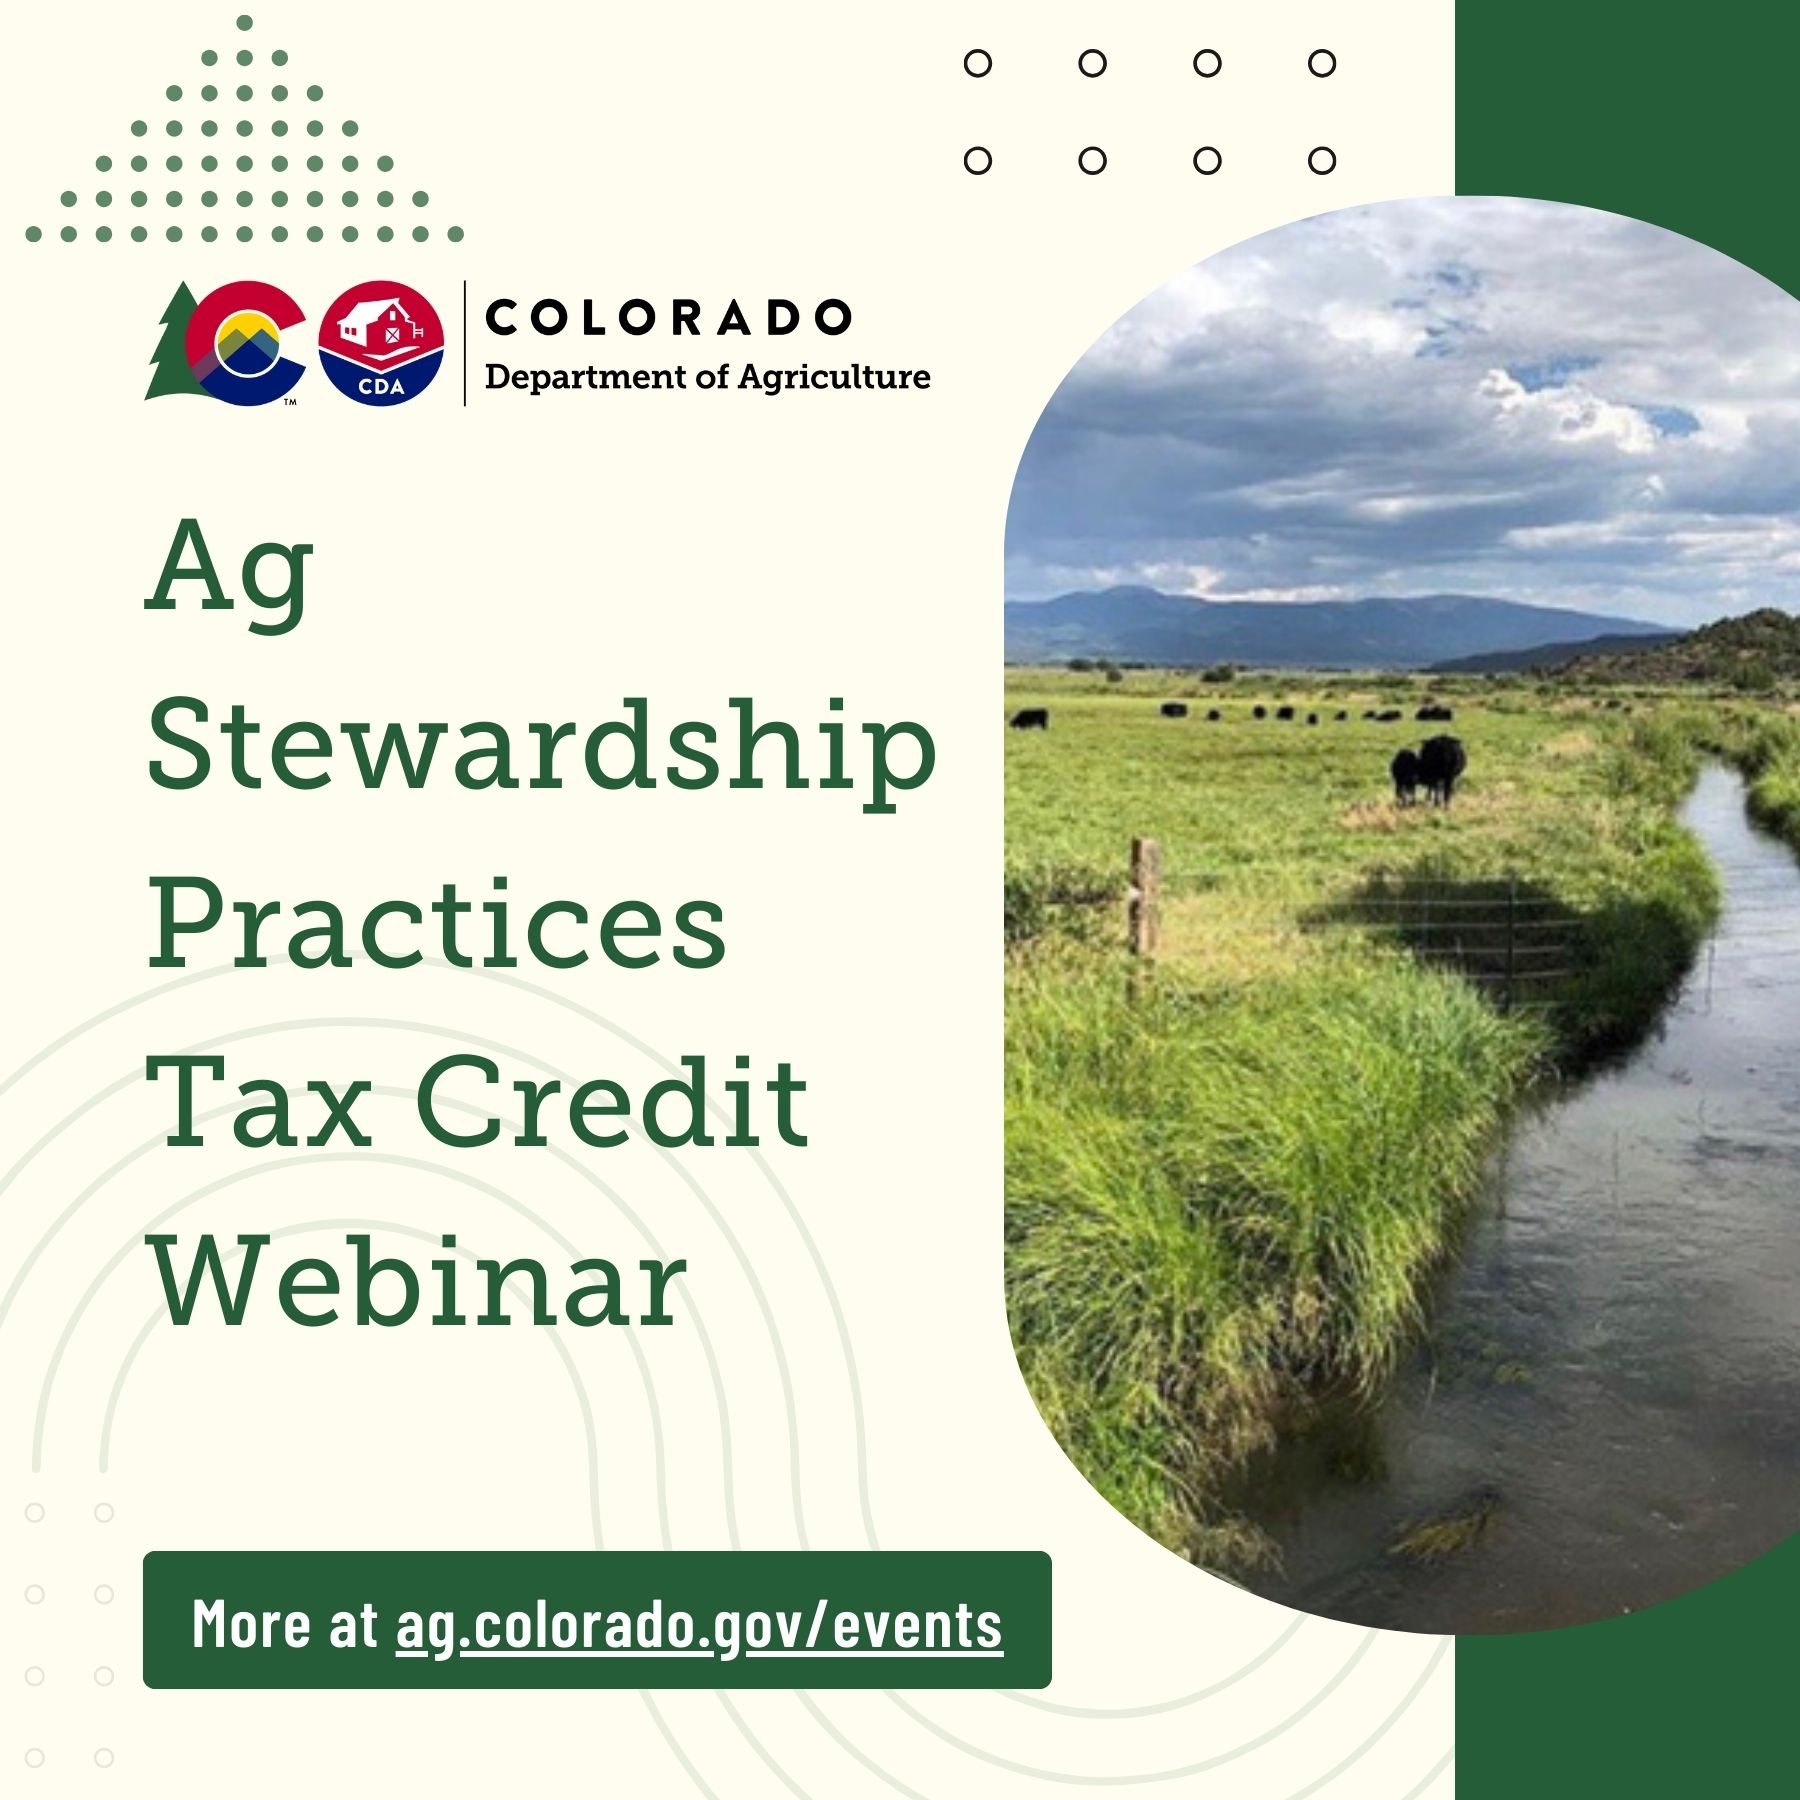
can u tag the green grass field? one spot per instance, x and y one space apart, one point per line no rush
1231 1172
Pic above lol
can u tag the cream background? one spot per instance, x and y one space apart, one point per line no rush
540 560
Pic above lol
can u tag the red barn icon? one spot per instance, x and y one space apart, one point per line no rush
381 342
381 329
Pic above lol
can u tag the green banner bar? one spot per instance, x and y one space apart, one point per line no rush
596 1619
1682 116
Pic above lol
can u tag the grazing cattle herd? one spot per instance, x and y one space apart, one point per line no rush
1436 766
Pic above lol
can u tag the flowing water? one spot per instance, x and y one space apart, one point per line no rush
1606 1404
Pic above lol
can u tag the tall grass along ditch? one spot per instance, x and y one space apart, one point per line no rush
1230 1178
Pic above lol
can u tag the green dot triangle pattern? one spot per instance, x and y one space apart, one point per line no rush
239 114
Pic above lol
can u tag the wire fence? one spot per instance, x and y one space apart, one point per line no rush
1518 944
1515 942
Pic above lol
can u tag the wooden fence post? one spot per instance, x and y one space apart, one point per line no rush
1143 912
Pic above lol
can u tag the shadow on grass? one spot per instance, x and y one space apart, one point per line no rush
1597 975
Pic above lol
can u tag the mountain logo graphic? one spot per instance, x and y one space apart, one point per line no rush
228 345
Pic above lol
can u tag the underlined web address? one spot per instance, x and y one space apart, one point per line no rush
542 1632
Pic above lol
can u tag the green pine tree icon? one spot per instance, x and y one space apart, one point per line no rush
173 376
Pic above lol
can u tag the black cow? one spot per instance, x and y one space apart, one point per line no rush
1431 712
1312 718
1284 712
1391 716
1031 718
1174 709
1341 717
1405 771
1259 712
1214 716
1441 761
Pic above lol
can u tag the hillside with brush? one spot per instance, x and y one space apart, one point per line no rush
1758 653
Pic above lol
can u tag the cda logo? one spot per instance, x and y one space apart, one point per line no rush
382 343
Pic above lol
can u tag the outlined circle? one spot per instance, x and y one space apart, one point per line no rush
1313 163
234 341
104 1594
1312 63
34 1676
1202 164
1085 163
249 321
973 57
1201 58
34 1513
1093 71
34 1595
978 159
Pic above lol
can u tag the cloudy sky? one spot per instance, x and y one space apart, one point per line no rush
1501 397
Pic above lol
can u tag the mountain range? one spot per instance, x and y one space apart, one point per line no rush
1143 625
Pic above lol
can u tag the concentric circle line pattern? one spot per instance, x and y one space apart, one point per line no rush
303 1228
1430 1776
1439 1651
1151 1775
674 1163
461 1037
235 1179
586 1174
1290 1630
675 1747
508 1050
749 1737
840 1321
582 1400
636 1349
838 1738
795 1217
110 1012
681 1756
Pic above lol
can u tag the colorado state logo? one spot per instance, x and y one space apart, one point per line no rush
381 342
233 343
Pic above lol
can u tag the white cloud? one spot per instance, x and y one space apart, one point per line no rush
1470 395
1570 413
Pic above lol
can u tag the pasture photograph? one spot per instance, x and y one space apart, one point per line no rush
1402 915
